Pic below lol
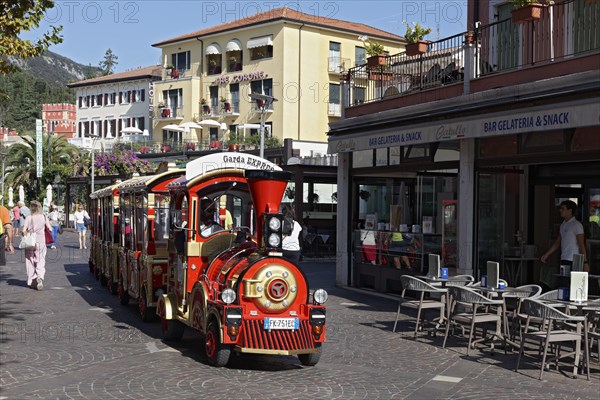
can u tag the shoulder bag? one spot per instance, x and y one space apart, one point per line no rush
48 234
28 241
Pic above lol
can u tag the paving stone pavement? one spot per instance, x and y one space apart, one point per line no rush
73 340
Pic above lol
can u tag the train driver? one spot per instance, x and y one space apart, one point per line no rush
208 226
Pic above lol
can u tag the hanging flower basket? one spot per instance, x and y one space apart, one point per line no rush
531 12
419 47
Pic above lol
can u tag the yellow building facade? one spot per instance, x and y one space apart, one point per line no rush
296 58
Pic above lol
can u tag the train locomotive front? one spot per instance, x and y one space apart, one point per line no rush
248 298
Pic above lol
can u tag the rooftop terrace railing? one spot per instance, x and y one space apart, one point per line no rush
566 29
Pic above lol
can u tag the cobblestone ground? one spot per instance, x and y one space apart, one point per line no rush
73 340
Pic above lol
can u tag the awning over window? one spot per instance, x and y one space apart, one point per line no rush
212 49
234 45
260 42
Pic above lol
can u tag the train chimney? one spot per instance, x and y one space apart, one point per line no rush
266 189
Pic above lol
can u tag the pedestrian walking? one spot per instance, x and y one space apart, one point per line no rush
24 212
80 217
570 239
35 257
6 241
54 217
16 220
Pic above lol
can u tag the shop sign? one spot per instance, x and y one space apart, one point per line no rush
226 160
251 76
497 124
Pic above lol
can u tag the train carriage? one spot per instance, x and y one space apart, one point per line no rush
143 226
233 285
105 236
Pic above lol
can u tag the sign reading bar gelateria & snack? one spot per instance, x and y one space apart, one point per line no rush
495 124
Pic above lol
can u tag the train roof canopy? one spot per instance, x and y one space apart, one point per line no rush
227 160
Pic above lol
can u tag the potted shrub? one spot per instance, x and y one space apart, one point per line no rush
205 106
525 11
414 38
376 54
226 104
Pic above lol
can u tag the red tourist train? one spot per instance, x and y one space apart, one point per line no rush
221 271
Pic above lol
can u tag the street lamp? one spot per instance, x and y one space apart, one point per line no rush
263 102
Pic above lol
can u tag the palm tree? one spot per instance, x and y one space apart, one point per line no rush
59 157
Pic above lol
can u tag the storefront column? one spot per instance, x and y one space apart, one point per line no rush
344 231
466 207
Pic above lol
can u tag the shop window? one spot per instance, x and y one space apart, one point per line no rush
549 141
214 64
261 52
234 61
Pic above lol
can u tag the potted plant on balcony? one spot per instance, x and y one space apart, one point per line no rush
205 106
226 105
414 37
526 10
375 52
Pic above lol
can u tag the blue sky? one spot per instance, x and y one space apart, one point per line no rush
130 27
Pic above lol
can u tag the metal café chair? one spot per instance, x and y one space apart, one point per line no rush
474 301
513 301
422 303
534 308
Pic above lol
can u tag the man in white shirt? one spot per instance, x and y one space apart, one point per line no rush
570 240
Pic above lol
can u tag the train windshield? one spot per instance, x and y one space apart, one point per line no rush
161 219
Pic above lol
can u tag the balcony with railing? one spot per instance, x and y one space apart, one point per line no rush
172 73
565 40
168 112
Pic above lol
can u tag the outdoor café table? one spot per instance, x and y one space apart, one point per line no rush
593 303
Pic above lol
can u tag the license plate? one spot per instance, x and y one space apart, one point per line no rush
281 323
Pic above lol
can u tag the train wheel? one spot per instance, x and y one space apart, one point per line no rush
172 330
310 359
146 312
122 293
217 353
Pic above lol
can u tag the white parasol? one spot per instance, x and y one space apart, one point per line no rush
173 127
49 193
210 122
132 129
21 193
10 197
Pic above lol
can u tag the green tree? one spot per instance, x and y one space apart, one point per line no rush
59 157
17 16
108 64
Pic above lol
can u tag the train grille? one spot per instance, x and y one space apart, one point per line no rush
255 337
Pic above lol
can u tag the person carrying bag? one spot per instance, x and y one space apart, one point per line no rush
35 256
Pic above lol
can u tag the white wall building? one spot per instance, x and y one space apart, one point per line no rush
107 105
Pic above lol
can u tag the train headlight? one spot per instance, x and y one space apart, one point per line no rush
274 223
274 240
272 231
228 296
320 296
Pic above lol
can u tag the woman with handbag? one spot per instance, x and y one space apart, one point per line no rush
35 257
81 216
